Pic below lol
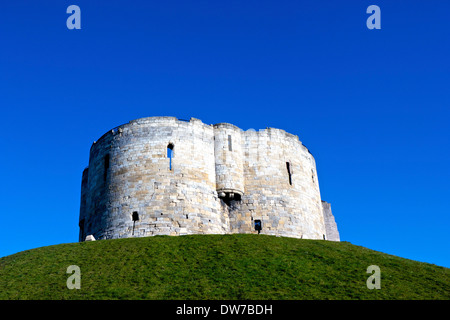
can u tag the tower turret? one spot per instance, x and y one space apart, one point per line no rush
228 161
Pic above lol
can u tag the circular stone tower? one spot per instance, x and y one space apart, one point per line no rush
164 176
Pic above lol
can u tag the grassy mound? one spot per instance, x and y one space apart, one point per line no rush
217 267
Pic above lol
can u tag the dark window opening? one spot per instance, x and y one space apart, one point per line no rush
106 167
135 217
170 154
288 167
258 226
230 146
313 176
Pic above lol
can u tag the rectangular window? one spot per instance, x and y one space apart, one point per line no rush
135 218
170 154
258 226
230 147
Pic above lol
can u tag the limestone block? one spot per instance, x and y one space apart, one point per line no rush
90 238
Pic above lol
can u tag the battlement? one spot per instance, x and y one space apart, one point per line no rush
163 175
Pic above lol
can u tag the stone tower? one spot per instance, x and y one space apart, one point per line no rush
164 176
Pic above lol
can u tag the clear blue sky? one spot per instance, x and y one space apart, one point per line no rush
373 106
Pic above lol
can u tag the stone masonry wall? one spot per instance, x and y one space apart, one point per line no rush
330 223
221 180
286 206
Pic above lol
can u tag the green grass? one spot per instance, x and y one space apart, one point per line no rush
217 267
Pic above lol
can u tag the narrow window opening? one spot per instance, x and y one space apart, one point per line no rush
258 226
170 154
288 167
230 146
106 167
313 176
135 218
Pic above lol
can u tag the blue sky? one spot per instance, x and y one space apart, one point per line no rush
371 105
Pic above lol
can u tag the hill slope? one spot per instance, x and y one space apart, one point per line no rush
217 267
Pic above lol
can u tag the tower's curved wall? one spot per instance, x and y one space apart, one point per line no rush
282 189
133 187
138 178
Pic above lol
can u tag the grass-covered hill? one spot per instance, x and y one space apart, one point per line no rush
224 267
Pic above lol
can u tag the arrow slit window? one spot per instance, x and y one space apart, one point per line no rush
289 171
170 154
